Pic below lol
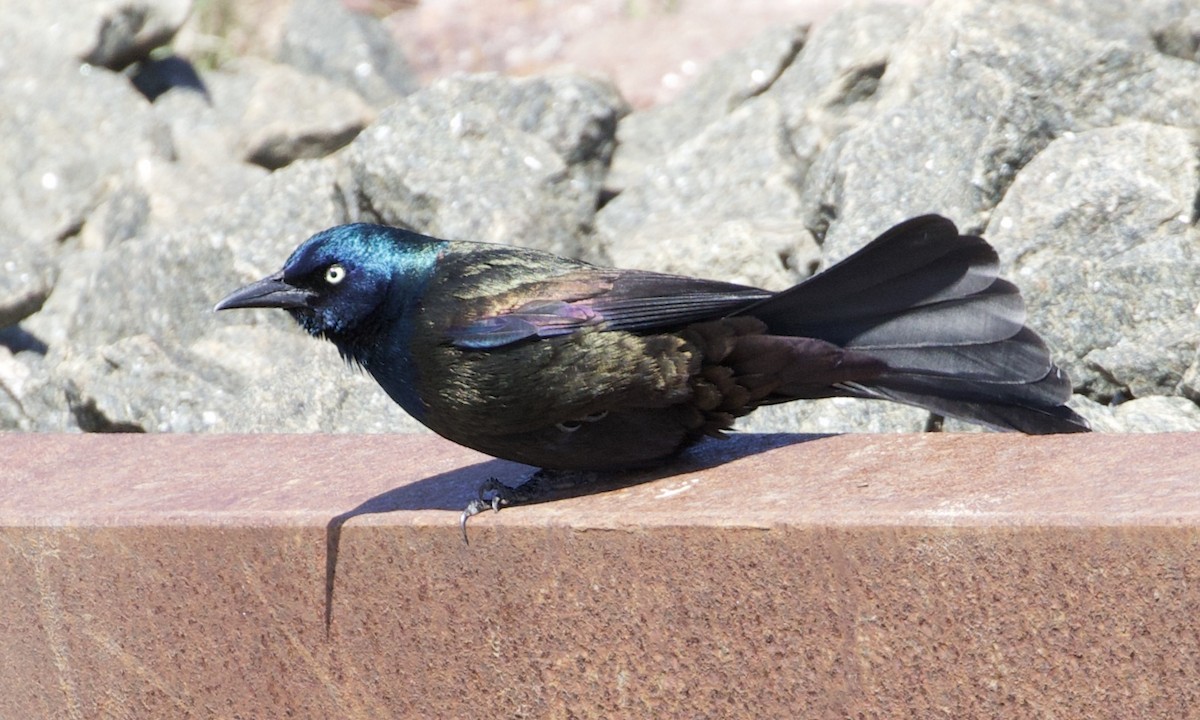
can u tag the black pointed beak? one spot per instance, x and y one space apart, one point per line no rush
270 292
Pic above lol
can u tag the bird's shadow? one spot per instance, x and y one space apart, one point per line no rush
455 489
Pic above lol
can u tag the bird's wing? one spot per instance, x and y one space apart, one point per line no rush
628 300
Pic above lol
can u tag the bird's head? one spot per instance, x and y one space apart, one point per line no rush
337 282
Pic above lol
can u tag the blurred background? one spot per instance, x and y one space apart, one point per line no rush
648 48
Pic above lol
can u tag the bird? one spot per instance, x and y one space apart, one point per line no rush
569 366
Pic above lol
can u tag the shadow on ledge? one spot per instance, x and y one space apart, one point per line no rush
455 489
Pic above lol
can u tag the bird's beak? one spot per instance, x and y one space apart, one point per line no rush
270 292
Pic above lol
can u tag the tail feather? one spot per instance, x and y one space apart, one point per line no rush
1000 415
920 261
929 304
1018 360
990 315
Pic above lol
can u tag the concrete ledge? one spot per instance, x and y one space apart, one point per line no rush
875 576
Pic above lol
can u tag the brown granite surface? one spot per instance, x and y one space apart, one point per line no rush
850 576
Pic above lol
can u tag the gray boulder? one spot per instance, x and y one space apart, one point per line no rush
26 278
1179 36
183 273
134 385
770 254
644 137
1109 258
278 115
488 158
14 379
67 138
126 32
835 415
1190 386
98 32
288 382
1149 414
975 91
759 178
235 379
351 50
832 84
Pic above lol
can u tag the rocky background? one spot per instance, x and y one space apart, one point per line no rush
138 190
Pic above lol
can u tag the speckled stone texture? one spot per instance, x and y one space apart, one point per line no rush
979 575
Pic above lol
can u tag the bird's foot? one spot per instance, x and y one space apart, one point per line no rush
495 495
541 486
490 495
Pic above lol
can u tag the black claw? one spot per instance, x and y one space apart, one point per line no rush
473 508
498 493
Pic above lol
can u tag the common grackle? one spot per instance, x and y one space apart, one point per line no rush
565 365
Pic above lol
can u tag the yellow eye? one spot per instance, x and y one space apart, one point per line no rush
334 274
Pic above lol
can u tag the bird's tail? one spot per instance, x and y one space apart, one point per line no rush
928 303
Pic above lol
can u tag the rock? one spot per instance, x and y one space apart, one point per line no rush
1107 258
834 415
488 158
281 115
265 225
973 93
235 379
1180 37
201 131
759 178
773 255
14 376
161 287
832 83
1139 371
181 194
260 112
26 279
52 324
99 32
123 214
352 50
183 273
206 168
174 364
66 137
290 382
1158 414
134 385
1190 386
645 136
39 394
1149 414
128 31
576 115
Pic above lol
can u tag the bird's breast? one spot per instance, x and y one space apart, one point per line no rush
391 363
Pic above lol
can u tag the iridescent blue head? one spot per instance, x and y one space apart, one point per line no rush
346 281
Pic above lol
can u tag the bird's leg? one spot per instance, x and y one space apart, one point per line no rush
495 495
541 486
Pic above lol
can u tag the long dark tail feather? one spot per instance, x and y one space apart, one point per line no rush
928 303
